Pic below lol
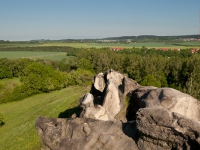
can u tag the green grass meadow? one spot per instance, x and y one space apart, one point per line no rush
18 132
33 55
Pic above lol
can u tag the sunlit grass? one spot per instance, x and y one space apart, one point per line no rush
33 55
18 132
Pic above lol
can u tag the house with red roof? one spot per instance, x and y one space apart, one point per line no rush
194 50
116 48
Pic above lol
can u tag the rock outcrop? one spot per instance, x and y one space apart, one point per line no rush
85 134
118 113
164 130
168 98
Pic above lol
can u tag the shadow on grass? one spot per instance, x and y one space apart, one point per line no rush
2 123
69 112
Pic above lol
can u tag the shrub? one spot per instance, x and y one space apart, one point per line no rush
79 77
7 92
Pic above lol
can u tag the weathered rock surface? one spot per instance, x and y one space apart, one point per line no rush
115 75
164 130
168 98
91 111
87 101
96 112
85 134
158 119
128 85
111 98
99 82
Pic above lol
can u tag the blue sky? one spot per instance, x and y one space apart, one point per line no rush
63 19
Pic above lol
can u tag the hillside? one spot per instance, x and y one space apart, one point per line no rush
153 37
19 132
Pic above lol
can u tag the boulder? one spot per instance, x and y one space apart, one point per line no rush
111 98
85 134
115 75
110 95
168 98
87 101
128 85
97 112
99 82
89 110
164 130
97 88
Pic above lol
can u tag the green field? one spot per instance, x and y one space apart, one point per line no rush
100 45
138 45
190 43
33 55
18 132
19 45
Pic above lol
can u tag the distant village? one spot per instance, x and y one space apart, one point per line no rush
192 50
188 39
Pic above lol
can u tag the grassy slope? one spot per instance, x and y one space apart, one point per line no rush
19 130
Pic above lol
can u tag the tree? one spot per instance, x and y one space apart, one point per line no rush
79 77
85 64
5 72
40 78
149 80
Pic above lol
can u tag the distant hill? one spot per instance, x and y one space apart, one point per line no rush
152 37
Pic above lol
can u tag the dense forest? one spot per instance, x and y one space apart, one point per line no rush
176 69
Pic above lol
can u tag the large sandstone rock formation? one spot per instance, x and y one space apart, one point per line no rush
109 101
85 134
164 130
152 118
168 98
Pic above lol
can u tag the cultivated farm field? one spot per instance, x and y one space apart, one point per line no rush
100 45
18 132
128 45
33 55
